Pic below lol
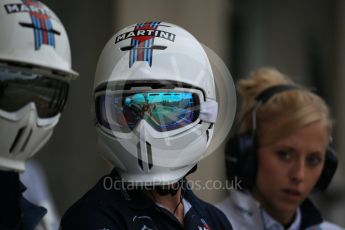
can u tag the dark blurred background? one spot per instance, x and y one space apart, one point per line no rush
304 39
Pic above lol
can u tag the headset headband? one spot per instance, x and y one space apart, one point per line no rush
270 91
265 95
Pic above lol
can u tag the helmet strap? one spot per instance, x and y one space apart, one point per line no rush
164 190
175 187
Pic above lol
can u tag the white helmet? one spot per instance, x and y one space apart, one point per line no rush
155 102
35 68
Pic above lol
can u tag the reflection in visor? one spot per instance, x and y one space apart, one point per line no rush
162 110
17 90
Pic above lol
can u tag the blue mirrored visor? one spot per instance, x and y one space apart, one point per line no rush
163 110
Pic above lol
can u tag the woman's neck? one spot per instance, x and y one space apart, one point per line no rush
172 203
283 217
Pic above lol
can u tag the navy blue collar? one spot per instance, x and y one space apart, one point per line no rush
31 213
310 214
135 198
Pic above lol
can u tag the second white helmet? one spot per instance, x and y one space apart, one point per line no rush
35 69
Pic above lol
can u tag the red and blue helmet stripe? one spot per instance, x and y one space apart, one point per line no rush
142 46
42 25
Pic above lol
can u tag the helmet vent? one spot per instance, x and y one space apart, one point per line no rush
17 138
140 161
149 164
149 155
26 141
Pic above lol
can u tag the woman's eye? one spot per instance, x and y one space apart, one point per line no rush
284 155
314 160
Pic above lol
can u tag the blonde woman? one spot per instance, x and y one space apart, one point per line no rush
280 153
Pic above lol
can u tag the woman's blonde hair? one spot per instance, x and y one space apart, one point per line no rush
284 112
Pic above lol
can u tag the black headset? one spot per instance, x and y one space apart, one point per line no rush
240 150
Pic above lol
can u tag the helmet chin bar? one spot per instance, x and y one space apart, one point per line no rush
168 164
23 134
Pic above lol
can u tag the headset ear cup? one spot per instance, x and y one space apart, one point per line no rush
232 158
241 159
329 169
251 168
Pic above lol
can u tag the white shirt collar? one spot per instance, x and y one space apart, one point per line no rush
272 224
251 208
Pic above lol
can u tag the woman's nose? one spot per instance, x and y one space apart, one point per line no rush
297 173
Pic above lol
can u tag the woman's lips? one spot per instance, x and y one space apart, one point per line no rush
292 194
